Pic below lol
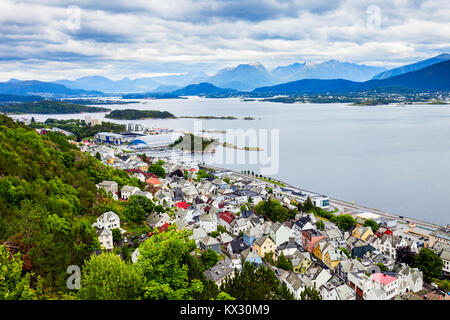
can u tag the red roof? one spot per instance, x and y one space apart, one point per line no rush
227 216
164 227
153 181
182 204
192 170
382 278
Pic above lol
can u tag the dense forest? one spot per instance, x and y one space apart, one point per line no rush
80 128
132 114
48 107
47 199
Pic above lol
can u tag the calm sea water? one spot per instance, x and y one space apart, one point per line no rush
391 158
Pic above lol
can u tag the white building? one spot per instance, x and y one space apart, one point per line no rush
108 220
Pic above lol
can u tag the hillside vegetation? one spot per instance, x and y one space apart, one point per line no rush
48 199
48 107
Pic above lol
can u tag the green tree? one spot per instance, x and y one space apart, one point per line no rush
209 258
284 263
273 210
163 261
98 156
372 224
221 229
107 277
344 221
158 170
320 225
13 286
308 205
117 235
429 262
405 255
255 283
138 208
310 294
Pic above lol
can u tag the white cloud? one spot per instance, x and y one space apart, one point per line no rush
127 38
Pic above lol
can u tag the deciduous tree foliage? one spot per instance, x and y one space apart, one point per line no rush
256 283
47 197
107 277
13 286
163 260
429 262
405 255
273 210
344 221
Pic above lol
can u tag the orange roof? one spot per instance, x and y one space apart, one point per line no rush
153 181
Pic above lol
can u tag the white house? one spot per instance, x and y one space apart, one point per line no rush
410 280
128 191
295 285
106 239
208 222
386 282
108 220
279 233
238 225
111 188
341 292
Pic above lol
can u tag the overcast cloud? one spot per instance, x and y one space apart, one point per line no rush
41 39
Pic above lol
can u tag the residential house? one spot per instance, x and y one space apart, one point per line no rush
128 191
362 232
106 239
279 233
388 245
302 262
210 243
386 282
251 256
157 220
224 219
410 280
309 239
330 291
208 222
264 245
219 272
238 226
108 220
111 188
251 234
295 285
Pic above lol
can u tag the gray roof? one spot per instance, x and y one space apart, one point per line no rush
218 272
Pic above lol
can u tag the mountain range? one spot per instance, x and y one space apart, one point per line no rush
432 78
248 79
412 67
244 77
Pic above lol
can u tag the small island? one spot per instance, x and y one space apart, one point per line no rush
133 114
48 107
191 143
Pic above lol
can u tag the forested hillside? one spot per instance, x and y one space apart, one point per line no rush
47 194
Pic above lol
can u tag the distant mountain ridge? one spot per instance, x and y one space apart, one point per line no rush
41 88
412 67
331 69
203 89
432 78
243 77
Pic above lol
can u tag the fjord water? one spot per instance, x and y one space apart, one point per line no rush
393 158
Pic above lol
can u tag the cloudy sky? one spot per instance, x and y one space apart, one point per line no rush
56 39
